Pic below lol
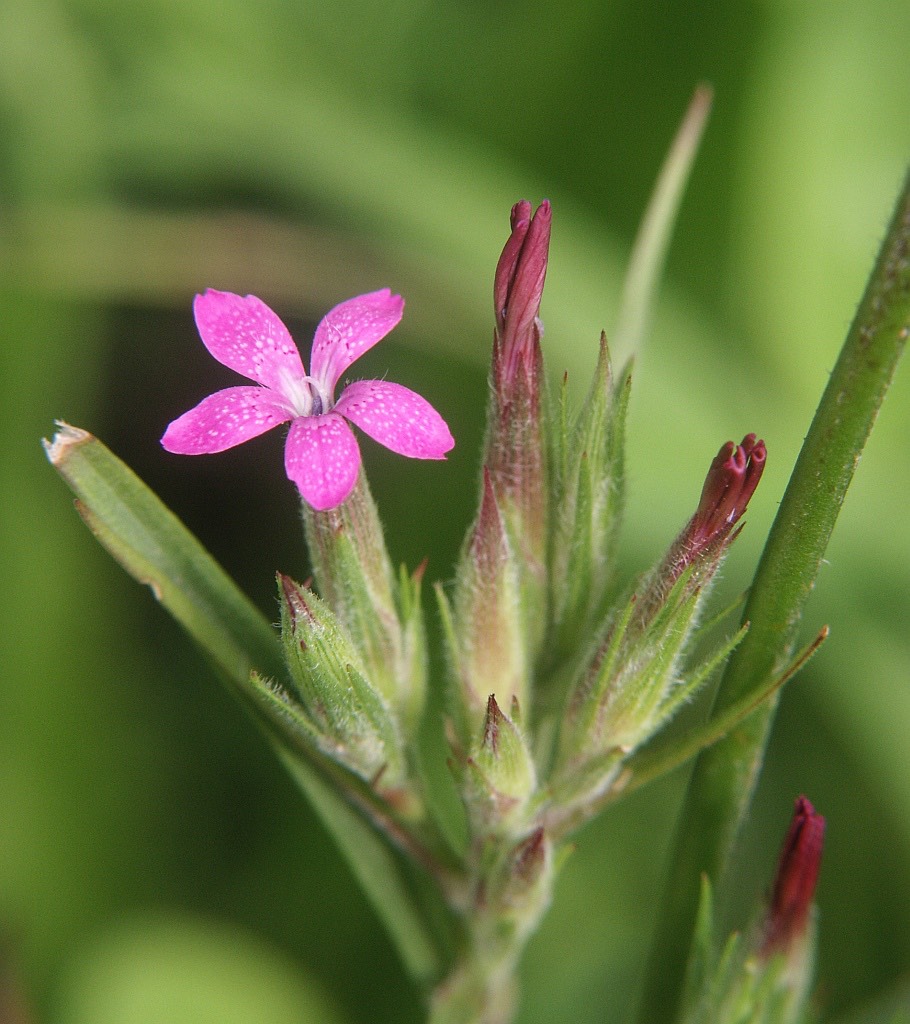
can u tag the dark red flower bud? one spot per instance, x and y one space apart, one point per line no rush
730 483
518 285
794 884
515 452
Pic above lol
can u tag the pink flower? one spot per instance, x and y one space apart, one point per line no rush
321 454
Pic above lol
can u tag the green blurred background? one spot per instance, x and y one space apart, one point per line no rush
155 863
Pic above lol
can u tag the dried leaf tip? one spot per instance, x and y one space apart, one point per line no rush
67 437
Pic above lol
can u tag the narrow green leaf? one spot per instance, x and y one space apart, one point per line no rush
155 548
653 239
726 774
650 765
690 684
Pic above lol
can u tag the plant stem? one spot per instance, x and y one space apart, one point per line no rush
481 988
512 889
725 775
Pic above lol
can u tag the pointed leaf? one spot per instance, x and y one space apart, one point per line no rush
156 548
653 239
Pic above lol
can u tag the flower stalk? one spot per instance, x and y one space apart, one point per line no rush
382 613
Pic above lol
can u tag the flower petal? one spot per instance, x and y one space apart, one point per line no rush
225 419
244 334
396 417
321 456
348 330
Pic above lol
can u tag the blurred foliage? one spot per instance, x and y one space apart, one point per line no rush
306 151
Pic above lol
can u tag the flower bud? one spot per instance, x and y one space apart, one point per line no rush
769 978
698 550
794 884
350 717
731 481
632 685
516 445
500 777
518 288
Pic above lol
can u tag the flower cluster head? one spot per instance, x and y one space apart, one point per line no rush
321 453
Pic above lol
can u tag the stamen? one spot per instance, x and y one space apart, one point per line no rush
306 396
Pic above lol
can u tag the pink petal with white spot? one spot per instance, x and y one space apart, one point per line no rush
225 419
348 330
321 456
396 417
244 334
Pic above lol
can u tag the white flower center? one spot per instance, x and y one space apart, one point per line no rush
307 396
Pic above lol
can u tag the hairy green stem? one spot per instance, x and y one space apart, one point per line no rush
725 775
481 988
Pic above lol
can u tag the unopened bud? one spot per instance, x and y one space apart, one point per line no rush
632 686
351 718
501 777
730 483
516 445
794 884
768 979
518 286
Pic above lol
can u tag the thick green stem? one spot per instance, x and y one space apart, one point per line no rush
481 989
513 886
725 776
